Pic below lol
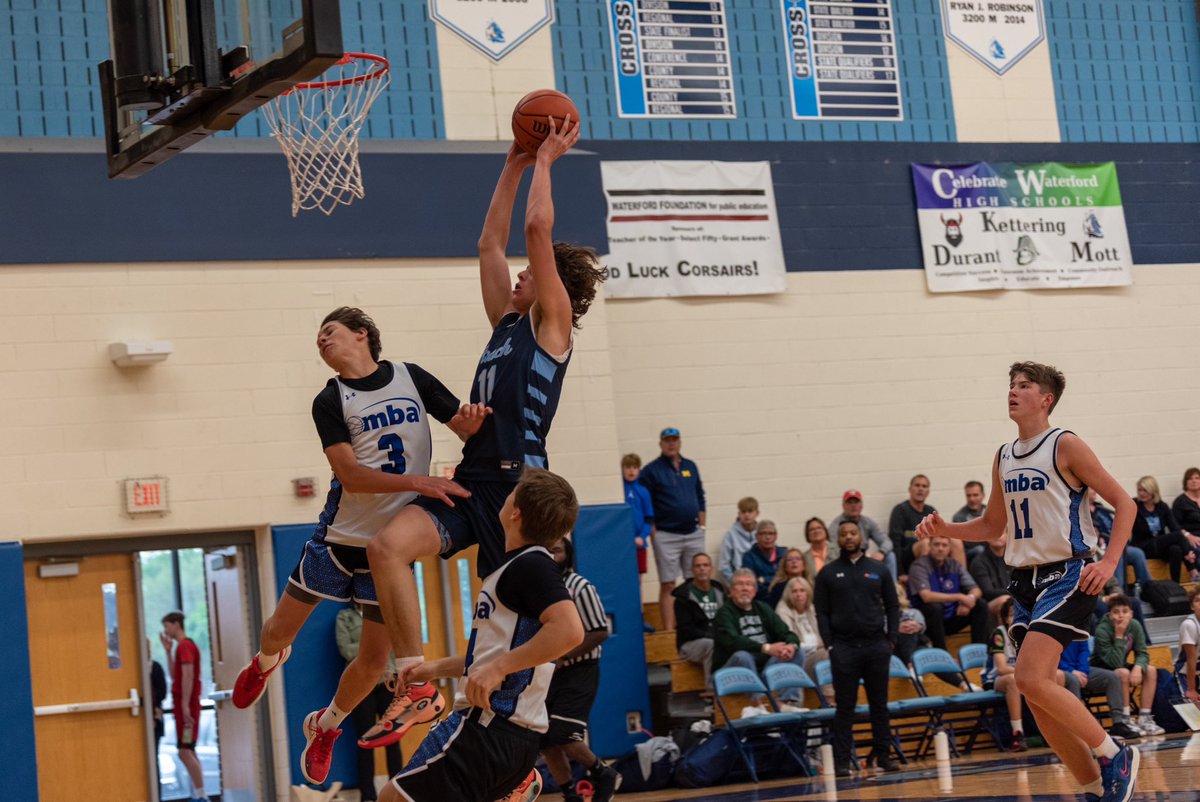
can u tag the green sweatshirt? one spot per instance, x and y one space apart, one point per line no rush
1111 651
735 629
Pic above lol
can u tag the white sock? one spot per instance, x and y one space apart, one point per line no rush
1096 787
267 661
1108 748
1017 727
1145 711
332 717
1125 711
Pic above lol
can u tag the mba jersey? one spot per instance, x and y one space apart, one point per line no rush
522 384
507 615
1047 518
385 419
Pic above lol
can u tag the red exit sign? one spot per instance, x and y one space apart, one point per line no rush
146 495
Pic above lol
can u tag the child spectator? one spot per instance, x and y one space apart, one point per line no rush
1000 673
638 499
1121 647
739 539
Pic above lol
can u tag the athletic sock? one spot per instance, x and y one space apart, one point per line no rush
1108 748
267 661
598 766
1125 711
332 717
1096 787
1018 727
1145 711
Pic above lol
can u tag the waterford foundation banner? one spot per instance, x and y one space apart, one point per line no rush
691 228
988 226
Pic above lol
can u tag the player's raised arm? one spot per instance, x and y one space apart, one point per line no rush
494 278
553 304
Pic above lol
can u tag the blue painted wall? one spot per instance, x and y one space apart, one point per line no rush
604 553
16 703
311 674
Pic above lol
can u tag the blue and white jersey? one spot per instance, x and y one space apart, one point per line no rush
508 610
522 384
385 420
1048 519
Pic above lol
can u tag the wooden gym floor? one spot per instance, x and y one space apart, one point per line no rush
1170 772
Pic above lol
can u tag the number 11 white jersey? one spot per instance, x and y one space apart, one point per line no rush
1048 520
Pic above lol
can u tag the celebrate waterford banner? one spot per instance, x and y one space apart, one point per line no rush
1030 226
691 228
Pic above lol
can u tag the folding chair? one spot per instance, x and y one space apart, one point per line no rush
984 703
862 712
767 730
788 676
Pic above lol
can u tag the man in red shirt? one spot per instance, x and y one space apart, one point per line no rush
184 667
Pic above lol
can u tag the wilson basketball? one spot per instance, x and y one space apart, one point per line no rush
529 124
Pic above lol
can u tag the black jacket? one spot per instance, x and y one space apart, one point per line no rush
991 573
690 621
856 602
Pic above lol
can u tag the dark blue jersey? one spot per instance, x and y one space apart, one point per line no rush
522 383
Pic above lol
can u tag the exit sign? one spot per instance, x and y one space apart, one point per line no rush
146 495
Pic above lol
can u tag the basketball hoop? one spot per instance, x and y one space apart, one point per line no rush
317 125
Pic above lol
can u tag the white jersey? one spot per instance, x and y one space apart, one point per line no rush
496 630
389 431
1048 519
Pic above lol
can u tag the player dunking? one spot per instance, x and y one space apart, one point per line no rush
520 378
524 620
1039 489
373 420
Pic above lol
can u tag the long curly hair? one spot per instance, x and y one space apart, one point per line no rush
581 273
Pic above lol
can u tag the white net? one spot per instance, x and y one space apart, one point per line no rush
317 126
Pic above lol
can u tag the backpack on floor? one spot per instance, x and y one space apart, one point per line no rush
709 762
1166 597
1166 696
662 768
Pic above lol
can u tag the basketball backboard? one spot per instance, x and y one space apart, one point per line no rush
182 70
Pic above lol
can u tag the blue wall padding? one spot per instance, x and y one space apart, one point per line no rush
311 674
604 554
16 703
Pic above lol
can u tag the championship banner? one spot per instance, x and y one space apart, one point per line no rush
691 228
1026 226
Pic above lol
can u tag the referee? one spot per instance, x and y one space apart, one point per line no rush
573 688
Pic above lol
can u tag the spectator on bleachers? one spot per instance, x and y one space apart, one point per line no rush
858 615
1121 647
1186 509
797 611
821 549
911 630
1111 591
638 498
739 539
1156 532
696 603
792 565
875 540
902 525
764 558
749 634
993 574
680 514
974 494
1000 673
1079 674
1102 520
1188 661
949 597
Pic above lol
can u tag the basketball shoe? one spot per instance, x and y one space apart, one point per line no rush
318 751
605 782
251 683
529 790
1120 774
417 705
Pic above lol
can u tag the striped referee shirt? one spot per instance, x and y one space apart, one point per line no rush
591 611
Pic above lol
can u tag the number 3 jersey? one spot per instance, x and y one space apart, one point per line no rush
385 419
1048 520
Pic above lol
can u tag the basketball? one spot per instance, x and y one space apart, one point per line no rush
529 124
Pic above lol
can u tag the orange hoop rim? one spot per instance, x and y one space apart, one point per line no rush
378 70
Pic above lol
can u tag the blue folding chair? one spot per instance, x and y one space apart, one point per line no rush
862 712
984 703
768 730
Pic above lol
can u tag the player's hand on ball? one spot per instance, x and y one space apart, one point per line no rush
519 157
559 140
483 679
932 525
